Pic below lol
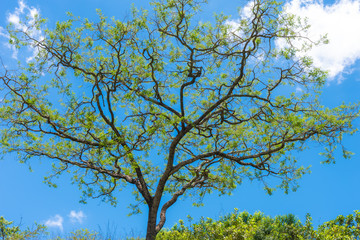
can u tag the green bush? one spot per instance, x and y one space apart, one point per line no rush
10 232
260 227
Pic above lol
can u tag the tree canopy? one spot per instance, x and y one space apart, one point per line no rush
168 103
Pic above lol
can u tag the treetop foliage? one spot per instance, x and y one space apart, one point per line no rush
167 103
10 232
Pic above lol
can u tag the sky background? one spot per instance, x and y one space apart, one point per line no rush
328 191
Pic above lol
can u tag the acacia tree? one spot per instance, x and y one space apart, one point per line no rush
168 104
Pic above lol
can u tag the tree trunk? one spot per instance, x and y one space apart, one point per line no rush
151 224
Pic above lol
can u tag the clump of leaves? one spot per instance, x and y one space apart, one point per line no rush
8 231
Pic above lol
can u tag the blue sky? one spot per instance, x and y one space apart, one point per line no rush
328 191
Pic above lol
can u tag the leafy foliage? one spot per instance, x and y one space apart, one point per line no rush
81 234
10 232
242 225
168 104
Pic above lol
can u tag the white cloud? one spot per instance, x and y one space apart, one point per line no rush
22 18
340 22
298 89
77 216
34 12
56 221
14 19
22 6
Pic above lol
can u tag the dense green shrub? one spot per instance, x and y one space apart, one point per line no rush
242 225
10 232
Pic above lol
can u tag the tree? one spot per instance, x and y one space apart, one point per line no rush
9 232
169 104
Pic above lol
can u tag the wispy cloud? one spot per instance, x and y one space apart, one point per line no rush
76 216
22 18
340 21
56 221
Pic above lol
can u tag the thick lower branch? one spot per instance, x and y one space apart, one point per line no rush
174 198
